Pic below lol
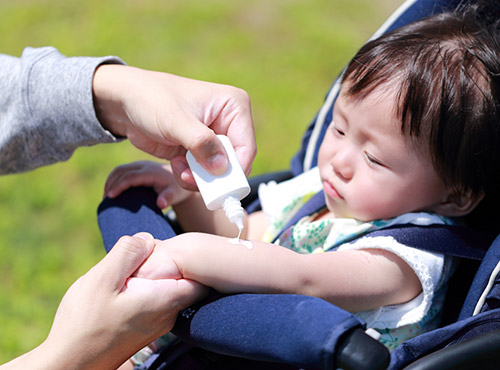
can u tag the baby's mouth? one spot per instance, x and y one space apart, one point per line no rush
330 190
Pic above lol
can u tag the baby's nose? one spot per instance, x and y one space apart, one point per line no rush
343 164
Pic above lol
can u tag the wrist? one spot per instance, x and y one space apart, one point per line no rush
82 353
107 84
185 249
41 357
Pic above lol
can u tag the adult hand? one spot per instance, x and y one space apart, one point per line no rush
107 315
165 115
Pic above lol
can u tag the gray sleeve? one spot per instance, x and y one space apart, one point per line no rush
46 108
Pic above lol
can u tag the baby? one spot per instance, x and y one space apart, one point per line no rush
414 139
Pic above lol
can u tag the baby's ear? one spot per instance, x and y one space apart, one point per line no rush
458 203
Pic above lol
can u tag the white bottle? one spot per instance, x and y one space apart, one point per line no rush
224 191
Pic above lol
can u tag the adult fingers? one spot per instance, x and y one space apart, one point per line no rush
188 292
182 173
170 295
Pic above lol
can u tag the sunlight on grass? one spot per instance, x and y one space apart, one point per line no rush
285 53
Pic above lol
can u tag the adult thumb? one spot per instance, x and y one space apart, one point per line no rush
124 259
206 148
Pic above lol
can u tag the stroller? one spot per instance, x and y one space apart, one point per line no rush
256 331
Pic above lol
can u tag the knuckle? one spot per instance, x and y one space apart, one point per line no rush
201 139
241 96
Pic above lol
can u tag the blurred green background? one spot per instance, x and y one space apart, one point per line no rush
284 53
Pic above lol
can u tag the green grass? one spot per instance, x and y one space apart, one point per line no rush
285 53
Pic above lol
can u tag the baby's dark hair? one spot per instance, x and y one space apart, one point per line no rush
445 71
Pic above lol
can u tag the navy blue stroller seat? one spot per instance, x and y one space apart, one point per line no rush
248 331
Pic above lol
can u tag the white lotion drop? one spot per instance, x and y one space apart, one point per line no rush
247 243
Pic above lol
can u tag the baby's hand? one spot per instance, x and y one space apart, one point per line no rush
159 265
145 173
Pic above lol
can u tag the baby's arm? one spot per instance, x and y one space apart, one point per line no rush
190 210
354 280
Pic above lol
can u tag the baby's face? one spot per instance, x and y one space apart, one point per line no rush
369 169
